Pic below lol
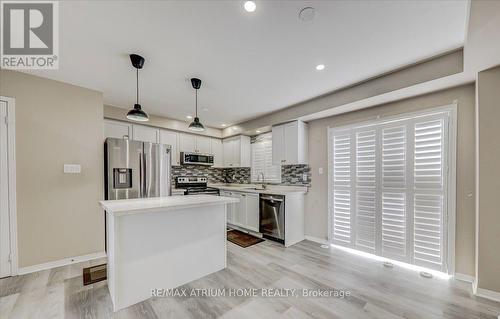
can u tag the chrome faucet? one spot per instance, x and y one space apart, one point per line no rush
263 179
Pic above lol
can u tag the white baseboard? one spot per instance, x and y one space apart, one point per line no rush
316 239
488 294
463 277
61 262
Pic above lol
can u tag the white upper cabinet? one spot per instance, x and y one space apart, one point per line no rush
117 129
145 133
194 143
290 146
187 142
171 138
237 151
217 150
278 146
203 144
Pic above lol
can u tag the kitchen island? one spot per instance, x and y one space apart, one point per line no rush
162 243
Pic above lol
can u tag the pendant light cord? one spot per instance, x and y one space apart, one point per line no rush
196 103
137 87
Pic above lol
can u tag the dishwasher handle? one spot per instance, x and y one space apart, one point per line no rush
271 198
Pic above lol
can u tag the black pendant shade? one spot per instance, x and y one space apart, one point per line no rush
196 124
137 114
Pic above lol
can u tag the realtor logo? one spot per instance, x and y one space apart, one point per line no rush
29 37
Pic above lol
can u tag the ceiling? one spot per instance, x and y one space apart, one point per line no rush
250 63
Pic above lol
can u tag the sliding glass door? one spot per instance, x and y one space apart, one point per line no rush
388 188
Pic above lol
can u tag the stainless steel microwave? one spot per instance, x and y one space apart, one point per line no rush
188 158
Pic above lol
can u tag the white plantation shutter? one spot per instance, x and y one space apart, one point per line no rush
429 194
262 161
342 189
394 169
366 182
388 188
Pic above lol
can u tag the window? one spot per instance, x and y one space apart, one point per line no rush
262 152
389 188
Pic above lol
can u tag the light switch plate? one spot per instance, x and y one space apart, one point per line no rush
320 171
72 168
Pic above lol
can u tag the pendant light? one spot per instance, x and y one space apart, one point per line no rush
196 124
137 114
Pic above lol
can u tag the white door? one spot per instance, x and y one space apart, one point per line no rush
236 150
145 134
5 264
217 151
203 144
171 138
278 144
240 216
253 212
291 143
187 142
117 129
228 153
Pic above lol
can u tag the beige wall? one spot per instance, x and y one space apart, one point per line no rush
56 123
317 197
488 208
118 113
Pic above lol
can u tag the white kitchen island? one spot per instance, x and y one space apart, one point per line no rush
162 243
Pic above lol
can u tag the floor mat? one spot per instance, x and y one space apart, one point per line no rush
242 239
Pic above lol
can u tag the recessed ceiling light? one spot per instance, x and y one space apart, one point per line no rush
205 109
257 131
223 125
189 117
320 67
250 6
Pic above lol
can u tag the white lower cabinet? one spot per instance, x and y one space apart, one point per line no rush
252 212
245 213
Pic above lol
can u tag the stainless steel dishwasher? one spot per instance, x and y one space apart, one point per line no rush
272 217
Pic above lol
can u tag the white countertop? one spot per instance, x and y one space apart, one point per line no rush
144 205
270 189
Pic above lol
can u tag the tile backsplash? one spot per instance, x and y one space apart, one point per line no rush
214 175
299 175
290 174
240 175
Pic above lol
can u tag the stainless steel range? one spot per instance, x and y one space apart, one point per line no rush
195 185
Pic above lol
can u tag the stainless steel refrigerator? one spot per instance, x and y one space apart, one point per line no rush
136 169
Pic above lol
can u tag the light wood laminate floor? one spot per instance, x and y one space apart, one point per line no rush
376 291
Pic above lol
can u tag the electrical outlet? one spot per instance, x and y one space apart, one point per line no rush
320 171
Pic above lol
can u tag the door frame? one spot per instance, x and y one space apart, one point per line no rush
11 164
452 110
